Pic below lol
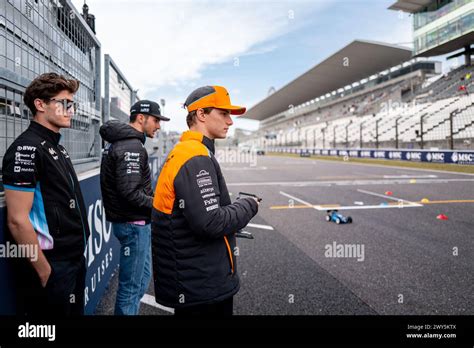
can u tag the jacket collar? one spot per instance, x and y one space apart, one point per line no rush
192 135
45 133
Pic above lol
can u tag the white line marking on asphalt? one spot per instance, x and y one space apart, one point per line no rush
263 227
358 207
150 300
244 168
401 201
349 183
297 199
404 176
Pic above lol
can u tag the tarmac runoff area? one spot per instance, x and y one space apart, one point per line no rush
408 251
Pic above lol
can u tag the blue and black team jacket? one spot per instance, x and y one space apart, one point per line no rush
36 162
193 227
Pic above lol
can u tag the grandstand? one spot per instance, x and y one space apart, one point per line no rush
399 100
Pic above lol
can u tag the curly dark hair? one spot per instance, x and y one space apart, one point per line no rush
46 86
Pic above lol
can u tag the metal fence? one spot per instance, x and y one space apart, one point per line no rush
49 36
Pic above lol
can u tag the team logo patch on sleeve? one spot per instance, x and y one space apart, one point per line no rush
205 181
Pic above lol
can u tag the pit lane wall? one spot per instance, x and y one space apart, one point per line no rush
429 156
102 252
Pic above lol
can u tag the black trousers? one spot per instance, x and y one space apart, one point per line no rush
219 309
63 294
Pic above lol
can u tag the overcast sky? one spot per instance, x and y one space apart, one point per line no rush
167 48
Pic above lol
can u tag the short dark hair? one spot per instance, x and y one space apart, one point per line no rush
133 117
191 118
46 86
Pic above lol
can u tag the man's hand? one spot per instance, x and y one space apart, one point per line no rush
19 204
44 276
250 195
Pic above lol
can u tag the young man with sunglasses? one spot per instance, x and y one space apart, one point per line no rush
45 207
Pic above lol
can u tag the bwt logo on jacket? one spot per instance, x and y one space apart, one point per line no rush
26 148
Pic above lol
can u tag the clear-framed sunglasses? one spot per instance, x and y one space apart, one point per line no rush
66 104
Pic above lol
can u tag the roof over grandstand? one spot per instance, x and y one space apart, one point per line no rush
410 6
365 58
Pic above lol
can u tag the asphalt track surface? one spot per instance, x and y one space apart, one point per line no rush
412 262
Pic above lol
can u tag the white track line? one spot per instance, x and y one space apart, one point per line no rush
297 199
263 227
366 207
356 207
243 168
349 183
404 176
390 197
150 300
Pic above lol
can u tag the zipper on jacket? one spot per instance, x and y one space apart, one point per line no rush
230 254
56 215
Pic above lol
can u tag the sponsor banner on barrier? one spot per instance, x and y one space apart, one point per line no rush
414 156
445 156
395 155
460 157
379 154
102 252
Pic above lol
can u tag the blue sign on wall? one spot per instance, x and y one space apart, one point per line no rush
444 156
102 252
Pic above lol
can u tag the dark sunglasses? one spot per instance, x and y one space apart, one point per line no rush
66 104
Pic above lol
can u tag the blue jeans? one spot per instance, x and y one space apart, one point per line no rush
135 266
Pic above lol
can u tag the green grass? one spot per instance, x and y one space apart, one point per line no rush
457 168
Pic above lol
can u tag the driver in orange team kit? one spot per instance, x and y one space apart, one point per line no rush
193 220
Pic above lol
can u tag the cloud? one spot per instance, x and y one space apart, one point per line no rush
169 43
399 34
163 46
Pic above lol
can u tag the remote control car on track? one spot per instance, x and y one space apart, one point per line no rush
334 216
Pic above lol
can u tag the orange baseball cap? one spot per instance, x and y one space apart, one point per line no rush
212 96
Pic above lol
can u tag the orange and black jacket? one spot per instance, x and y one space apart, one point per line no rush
193 227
